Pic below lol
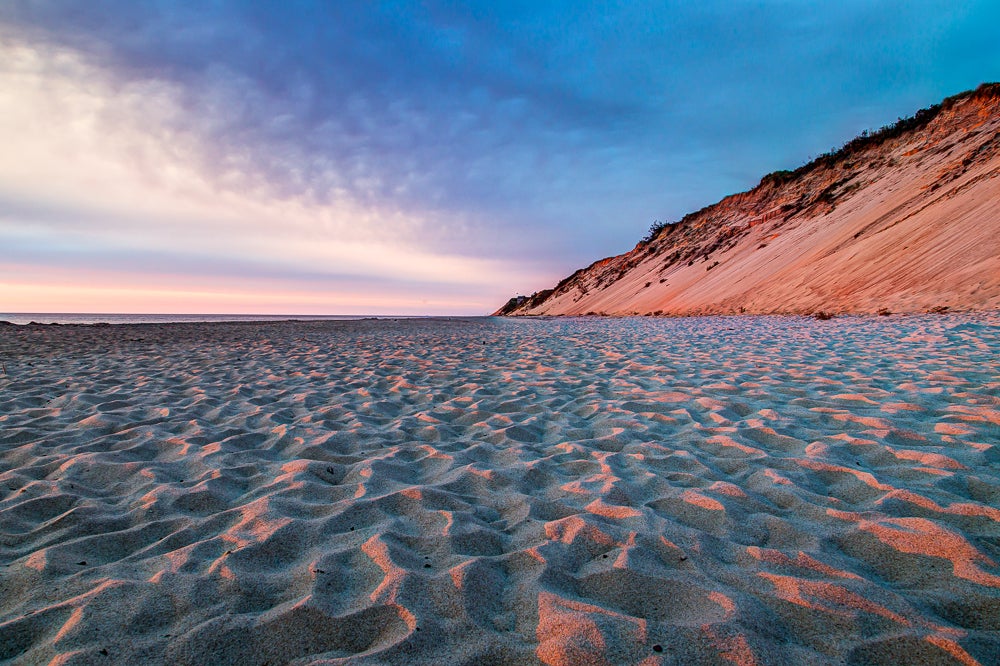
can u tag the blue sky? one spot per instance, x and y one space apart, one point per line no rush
416 158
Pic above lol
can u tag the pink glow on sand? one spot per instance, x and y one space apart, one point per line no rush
38 560
973 414
896 407
726 488
956 508
924 537
954 649
75 620
599 508
776 478
802 561
870 421
725 440
570 529
920 536
854 397
256 523
698 499
568 632
388 590
734 649
952 429
827 597
864 477
728 605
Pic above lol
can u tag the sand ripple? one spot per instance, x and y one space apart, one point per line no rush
718 490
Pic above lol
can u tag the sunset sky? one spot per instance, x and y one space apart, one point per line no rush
416 157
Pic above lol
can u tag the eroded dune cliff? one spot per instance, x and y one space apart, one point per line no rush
906 219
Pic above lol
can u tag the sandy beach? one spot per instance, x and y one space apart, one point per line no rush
723 490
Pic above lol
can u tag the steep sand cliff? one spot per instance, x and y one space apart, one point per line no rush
906 219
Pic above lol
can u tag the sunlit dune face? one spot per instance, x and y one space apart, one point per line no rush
975 413
929 459
37 560
865 477
924 537
955 508
954 649
733 648
74 621
568 530
617 512
727 441
701 500
727 604
257 524
729 489
777 478
569 633
920 536
827 597
802 560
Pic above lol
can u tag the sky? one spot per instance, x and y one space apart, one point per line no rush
417 157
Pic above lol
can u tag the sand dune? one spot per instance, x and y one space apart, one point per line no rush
906 223
716 491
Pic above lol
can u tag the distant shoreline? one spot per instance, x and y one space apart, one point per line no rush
95 321
819 314
75 318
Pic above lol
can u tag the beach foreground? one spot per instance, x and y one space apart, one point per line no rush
772 490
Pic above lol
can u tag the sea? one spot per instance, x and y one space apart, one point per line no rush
104 318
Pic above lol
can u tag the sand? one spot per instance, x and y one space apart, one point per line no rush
770 490
908 225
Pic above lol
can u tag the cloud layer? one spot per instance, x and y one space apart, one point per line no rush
418 153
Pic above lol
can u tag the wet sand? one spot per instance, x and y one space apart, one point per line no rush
772 490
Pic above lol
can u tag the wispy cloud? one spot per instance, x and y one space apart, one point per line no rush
475 148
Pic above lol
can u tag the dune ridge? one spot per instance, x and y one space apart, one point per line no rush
906 219
746 490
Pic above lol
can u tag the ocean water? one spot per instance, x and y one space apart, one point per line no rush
97 318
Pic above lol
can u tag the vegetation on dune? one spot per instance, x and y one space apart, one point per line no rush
523 302
864 141
655 228
872 138
814 188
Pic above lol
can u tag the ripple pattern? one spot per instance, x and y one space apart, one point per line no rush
492 491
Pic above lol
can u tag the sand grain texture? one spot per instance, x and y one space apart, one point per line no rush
711 490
